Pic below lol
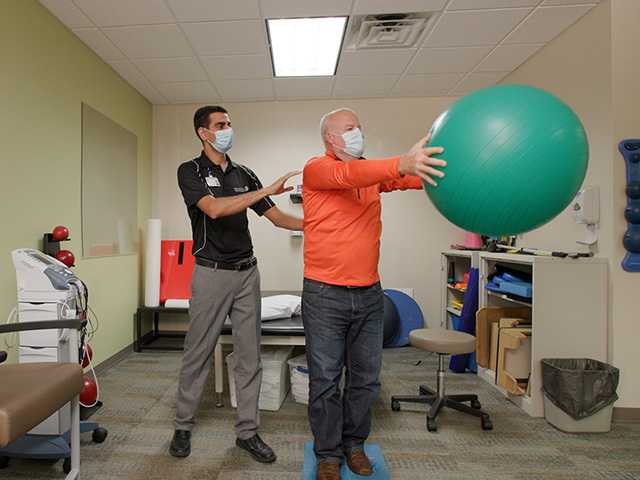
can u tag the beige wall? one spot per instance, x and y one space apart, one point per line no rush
46 74
625 18
576 68
275 137
594 67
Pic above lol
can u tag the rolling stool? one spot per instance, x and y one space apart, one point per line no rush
443 342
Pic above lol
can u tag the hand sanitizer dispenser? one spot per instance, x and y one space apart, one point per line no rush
586 211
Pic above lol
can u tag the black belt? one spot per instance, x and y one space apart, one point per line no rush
239 267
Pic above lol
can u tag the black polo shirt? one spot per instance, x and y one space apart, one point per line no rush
224 239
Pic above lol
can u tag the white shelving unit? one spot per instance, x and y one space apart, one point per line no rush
568 313
462 261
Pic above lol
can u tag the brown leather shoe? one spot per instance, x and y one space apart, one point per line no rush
328 471
359 463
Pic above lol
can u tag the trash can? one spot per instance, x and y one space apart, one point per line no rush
579 394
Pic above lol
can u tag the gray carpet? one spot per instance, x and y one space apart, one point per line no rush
139 405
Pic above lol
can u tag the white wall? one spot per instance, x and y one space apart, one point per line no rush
594 67
275 137
565 67
625 18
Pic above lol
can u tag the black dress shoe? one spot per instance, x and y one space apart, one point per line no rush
181 444
259 450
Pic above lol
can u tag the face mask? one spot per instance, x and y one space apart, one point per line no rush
223 141
353 142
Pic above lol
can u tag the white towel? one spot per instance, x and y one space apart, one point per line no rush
280 306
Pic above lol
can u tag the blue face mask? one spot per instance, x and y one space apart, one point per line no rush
353 142
223 141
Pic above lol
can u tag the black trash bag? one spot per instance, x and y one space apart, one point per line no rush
579 387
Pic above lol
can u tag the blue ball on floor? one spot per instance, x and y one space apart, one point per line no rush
373 451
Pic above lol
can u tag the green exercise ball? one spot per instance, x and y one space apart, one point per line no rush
516 156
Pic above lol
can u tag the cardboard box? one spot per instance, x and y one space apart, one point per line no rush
495 332
514 359
485 318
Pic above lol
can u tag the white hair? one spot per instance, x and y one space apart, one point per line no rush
325 117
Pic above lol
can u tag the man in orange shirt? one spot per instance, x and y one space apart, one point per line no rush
342 302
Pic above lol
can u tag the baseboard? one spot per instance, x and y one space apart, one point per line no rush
626 415
114 360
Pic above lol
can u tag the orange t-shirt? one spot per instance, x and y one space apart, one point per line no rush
342 223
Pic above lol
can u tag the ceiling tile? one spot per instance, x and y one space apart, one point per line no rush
568 2
478 4
203 10
507 57
478 80
242 90
150 41
397 6
186 69
227 38
379 62
132 75
304 8
426 85
482 27
238 66
546 23
369 86
126 12
448 60
188 92
152 94
100 44
67 13
303 87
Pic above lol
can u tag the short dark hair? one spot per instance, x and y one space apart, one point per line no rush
201 117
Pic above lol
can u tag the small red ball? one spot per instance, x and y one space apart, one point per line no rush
89 392
66 257
60 233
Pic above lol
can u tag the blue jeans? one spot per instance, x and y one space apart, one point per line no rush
343 328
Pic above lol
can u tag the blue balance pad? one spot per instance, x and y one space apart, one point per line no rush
380 470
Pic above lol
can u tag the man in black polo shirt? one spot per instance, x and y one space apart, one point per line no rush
226 281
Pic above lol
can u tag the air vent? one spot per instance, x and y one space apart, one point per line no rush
398 30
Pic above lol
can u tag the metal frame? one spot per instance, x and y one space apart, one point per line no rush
438 400
72 342
270 336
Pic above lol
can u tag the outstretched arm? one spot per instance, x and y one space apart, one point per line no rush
328 174
408 182
283 220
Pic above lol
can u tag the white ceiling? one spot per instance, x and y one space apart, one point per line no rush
196 51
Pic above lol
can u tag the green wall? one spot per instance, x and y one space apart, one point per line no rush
46 72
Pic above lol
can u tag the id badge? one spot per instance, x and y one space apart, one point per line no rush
212 181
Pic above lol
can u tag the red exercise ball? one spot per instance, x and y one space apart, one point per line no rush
66 257
87 355
60 233
89 392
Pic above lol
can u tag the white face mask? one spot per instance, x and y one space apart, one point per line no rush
223 141
353 142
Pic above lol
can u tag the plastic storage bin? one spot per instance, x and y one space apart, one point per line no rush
275 378
299 373
599 422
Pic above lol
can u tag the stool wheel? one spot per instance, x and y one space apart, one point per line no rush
486 423
476 404
432 426
66 465
395 405
99 435
4 462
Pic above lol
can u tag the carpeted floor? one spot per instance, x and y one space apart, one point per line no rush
139 405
